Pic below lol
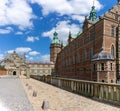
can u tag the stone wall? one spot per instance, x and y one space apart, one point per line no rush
97 90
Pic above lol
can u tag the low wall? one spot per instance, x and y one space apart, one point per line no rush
3 72
101 91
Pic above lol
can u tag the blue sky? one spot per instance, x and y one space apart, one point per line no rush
26 26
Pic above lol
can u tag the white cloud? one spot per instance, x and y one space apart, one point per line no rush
34 53
1 56
63 28
6 30
16 12
10 51
31 58
19 33
77 17
23 49
67 7
32 39
45 58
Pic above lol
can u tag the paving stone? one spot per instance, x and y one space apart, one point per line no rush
61 100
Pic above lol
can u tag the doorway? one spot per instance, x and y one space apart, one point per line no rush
14 73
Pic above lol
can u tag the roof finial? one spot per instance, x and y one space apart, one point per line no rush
55 29
93 2
69 33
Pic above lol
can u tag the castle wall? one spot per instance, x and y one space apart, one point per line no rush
70 65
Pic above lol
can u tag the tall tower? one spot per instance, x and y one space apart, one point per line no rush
55 47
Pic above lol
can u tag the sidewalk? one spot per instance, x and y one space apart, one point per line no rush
12 95
61 100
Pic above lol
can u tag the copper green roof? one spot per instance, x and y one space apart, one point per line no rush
76 35
79 33
92 16
65 44
55 38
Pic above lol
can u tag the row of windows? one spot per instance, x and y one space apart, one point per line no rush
77 44
102 67
91 35
40 71
39 65
76 58
86 39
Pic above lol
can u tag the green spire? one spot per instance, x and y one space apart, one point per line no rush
55 38
92 16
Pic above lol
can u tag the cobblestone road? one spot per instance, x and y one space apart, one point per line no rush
13 96
61 100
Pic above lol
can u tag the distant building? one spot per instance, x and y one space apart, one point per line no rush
39 68
15 64
94 54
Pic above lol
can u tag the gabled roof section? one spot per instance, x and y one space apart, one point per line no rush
113 13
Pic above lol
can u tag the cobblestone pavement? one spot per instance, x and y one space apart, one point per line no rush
61 100
12 95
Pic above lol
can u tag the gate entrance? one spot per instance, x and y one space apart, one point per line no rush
14 73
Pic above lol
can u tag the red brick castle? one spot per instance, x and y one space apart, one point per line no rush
94 54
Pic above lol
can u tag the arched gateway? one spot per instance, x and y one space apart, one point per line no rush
14 73
15 64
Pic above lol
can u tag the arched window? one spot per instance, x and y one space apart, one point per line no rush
112 51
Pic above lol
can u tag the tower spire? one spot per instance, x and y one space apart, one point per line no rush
55 38
70 34
92 16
